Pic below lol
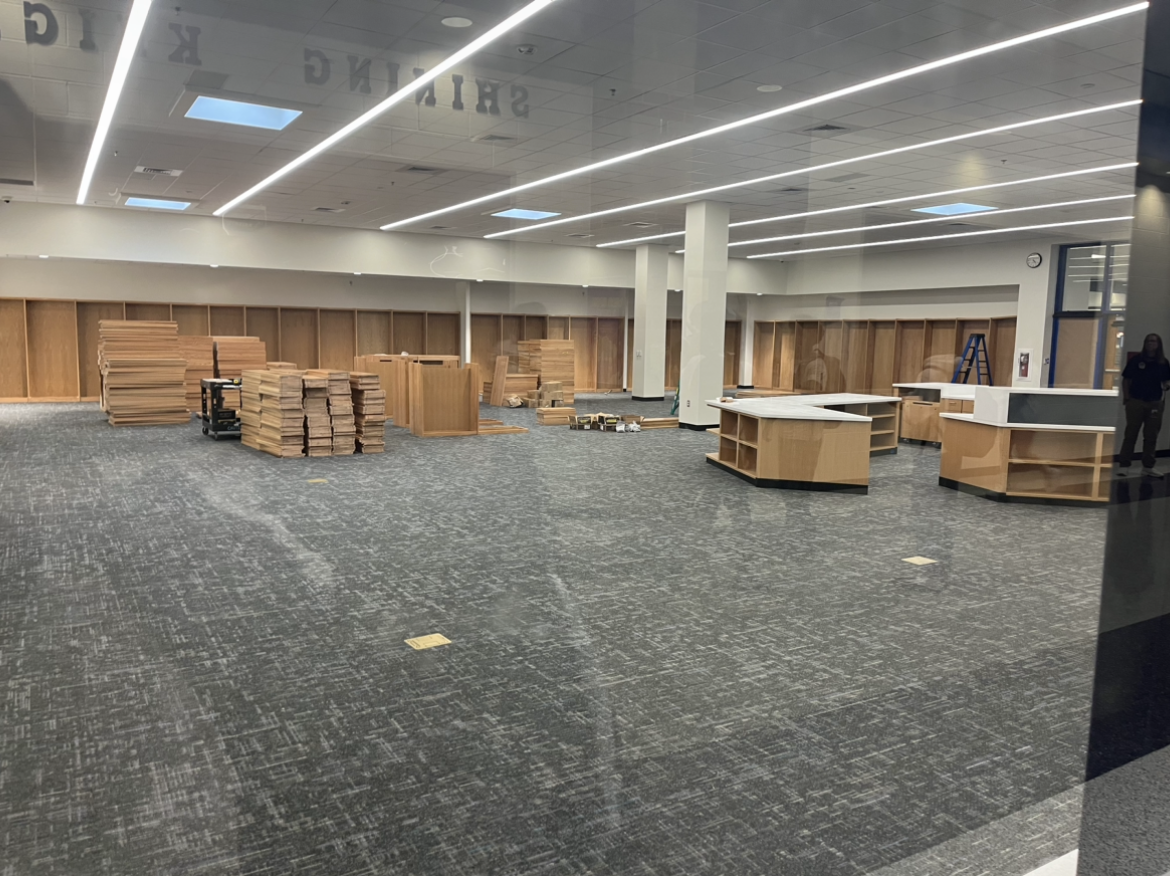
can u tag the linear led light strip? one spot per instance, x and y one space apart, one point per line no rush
934 221
134 25
397 97
804 171
886 202
791 108
772 255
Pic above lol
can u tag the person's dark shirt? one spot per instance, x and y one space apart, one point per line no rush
1146 377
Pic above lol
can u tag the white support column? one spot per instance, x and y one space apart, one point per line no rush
650 323
747 343
463 295
704 313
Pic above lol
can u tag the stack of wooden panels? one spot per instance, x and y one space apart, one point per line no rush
554 361
340 409
318 426
660 423
143 373
200 358
282 414
369 411
555 416
235 355
282 366
250 409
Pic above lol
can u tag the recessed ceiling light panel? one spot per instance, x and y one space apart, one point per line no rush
157 204
953 209
457 21
238 112
769 89
531 215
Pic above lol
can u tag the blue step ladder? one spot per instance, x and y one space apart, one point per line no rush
974 357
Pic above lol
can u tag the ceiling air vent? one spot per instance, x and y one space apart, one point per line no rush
157 171
418 168
328 210
846 177
788 191
963 225
492 138
640 224
5 181
441 227
579 236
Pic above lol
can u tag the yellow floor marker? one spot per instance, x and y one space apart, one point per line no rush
318 481
919 561
424 642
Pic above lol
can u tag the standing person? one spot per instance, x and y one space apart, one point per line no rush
1145 379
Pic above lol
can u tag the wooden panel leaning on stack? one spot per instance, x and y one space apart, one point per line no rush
143 373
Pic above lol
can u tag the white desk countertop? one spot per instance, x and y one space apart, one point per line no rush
803 407
1041 427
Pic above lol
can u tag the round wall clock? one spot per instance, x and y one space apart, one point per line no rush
1035 260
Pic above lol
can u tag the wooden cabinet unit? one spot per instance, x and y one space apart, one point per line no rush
805 442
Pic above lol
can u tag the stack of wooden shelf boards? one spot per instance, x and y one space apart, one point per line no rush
318 427
235 355
560 416
197 352
369 412
552 361
340 411
143 373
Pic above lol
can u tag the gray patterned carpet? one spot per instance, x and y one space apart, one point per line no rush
655 668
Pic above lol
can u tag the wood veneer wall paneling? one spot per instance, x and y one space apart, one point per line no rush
732 340
673 352
89 313
485 341
136 310
373 332
192 319
910 346
630 355
558 328
611 342
511 333
443 334
338 341
13 349
583 334
298 337
52 349
1003 351
228 321
857 359
535 328
872 355
882 337
764 355
264 323
409 332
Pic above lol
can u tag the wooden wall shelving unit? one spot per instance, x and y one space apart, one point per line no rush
870 356
48 348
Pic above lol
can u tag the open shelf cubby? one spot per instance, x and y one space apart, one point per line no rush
749 430
728 424
747 459
1055 448
727 450
1054 481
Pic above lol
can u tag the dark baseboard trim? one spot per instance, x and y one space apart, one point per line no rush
746 386
695 428
1015 500
888 452
806 486
920 443
648 397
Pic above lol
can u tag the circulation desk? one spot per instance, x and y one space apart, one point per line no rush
805 442
923 402
1031 445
